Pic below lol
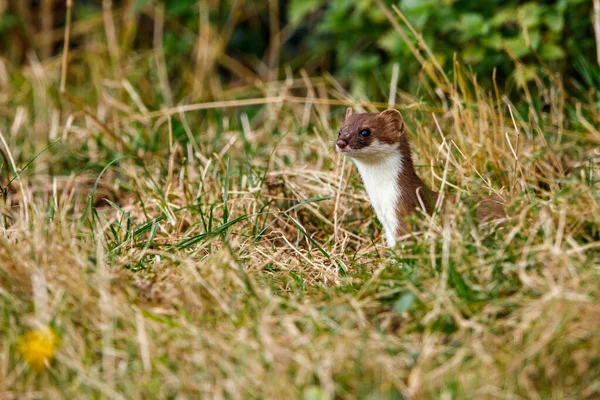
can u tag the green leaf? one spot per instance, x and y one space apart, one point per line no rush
389 41
420 6
494 41
473 54
215 232
298 9
365 63
524 74
550 51
503 17
226 194
473 25
516 46
555 22
535 38
392 42
404 302
419 11
529 14
314 393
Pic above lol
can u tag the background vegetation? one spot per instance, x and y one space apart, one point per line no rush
352 40
175 223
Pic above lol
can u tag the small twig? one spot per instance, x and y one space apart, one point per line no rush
111 37
271 100
310 94
46 17
4 190
97 122
275 45
203 48
394 85
7 166
18 173
14 166
515 150
337 202
65 56
161 64
596 19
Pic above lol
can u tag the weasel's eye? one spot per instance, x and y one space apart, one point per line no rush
365 133
340 132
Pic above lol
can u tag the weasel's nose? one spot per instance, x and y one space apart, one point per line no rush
341 143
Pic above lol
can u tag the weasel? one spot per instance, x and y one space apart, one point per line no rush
379 147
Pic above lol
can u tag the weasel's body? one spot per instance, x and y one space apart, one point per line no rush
378 145
381 182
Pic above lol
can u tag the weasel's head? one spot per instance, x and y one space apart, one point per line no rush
370 135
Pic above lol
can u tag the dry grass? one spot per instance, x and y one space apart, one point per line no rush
233 254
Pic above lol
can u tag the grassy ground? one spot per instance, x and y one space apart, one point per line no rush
224 250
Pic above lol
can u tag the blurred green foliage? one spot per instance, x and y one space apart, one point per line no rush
353 40
485 35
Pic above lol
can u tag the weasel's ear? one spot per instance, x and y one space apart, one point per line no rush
393 116
348 112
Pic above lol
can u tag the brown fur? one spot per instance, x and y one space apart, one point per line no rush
385 127
388 127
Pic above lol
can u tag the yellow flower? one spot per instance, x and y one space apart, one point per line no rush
38 346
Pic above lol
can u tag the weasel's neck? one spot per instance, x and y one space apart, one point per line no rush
394 189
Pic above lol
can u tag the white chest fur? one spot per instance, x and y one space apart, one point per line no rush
381 181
